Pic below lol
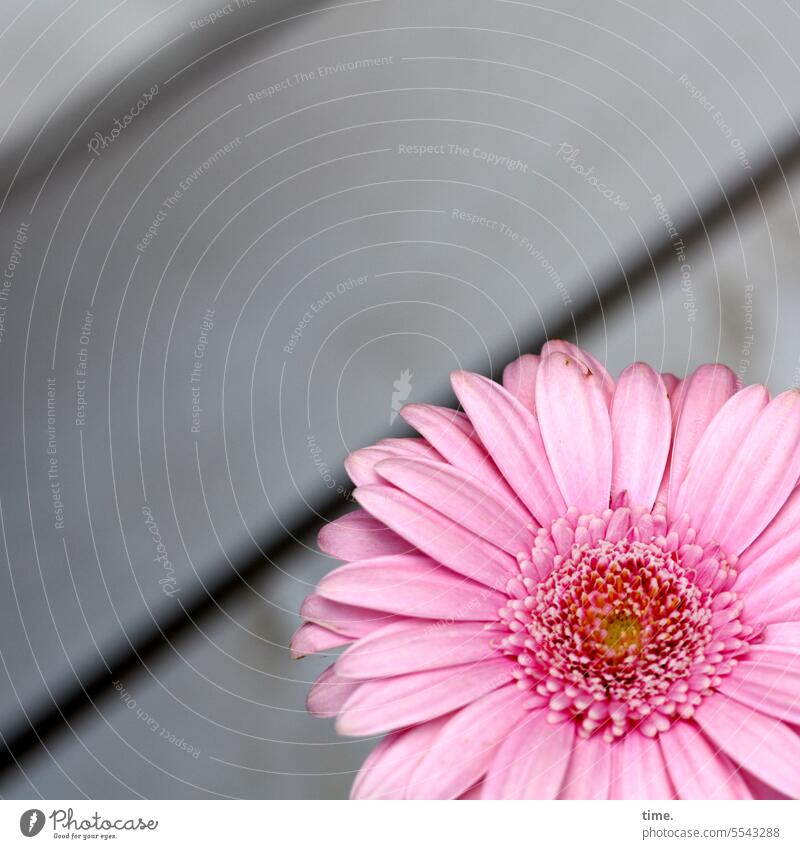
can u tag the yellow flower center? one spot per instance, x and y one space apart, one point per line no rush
622 633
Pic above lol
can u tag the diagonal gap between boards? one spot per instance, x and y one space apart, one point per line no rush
136 656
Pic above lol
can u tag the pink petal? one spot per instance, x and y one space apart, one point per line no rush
411 585
761 475
345 619
576 430
436 535
786 522
462 752
519 379
760 789
311 638
764 746
589 772
357 535
409 446
385 772
329 693
638 770
771 600
773 689
510 433
453 435
670 382
777 562
783 636
390 703
714 453
415 646
463 498
694 403
783 657
677 396
474 794
361 464
697 769
530 763
559 346
641 426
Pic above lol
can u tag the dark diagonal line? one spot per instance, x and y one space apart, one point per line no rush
138 654
613 294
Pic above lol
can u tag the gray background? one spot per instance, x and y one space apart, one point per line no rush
691 103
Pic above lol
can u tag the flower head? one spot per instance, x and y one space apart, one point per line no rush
575 588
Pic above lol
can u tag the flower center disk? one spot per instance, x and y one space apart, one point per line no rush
619 634
620 620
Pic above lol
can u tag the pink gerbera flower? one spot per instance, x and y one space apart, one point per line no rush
576 588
